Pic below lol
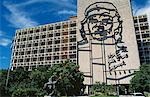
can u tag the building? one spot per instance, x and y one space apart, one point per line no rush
107 39
100 39
45 45
142 31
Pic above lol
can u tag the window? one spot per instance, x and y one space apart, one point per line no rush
145 35
28 45
16 53
37 30
57 41
64 56
56 57
41 59
146 44
35 52
64 33
22 53
20 60
36 37
19 33
43 36
73 48
28 52
49 50
48 58
143 20
50 35
42 43
42 51
25 32
31 31
135 21
138 36
56 49
144 27
65 26
44 29
30 38
57 34
35 44
73 25
49 42
23 39
34 59
17 46
136 28
72 32
22 46
64 48
57 27
18 40
15 61
50 28
64 40
27 59
72 56
73 40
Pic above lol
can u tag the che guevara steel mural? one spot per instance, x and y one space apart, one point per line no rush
104 22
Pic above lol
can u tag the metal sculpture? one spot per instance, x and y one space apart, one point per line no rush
50 86
103 22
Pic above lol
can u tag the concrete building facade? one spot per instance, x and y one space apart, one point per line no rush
142 30
107 39
45 45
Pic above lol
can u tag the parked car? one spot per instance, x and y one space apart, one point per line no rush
137 95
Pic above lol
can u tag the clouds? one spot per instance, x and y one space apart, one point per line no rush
4 40
140 10
20 17
1 33
60 3
17 18
70 12
3 58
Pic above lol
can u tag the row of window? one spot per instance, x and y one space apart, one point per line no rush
46 43
142 28
143 36
45 58
33 65
44 36
140 20
46 50
47 29
144 61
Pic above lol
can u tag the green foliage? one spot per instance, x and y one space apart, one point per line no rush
70 79
24 83
141 81
3 76
103 89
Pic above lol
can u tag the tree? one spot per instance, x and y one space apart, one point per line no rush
30 83
69 79
103 89
24 83
3 89
141 81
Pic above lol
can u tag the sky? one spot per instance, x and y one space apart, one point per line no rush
18 14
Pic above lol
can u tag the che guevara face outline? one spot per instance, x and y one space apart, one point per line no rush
101 22
100 26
